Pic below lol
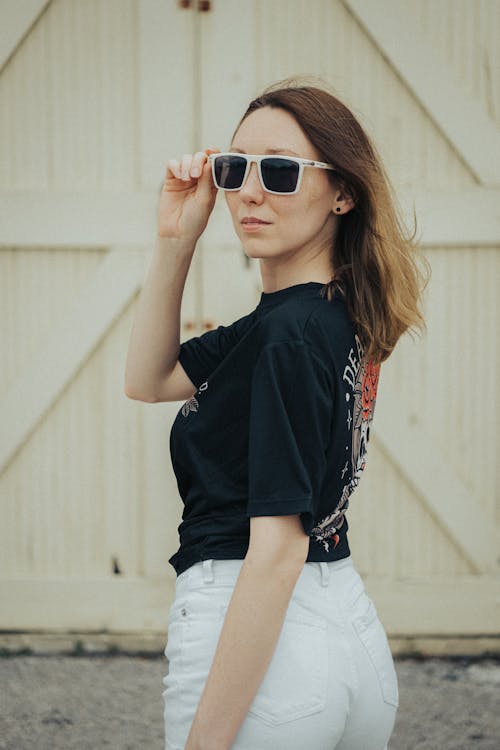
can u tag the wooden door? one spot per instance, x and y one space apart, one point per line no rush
95 97
92 111
424 521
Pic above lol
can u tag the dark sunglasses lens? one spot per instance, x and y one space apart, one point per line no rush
229 171
280 175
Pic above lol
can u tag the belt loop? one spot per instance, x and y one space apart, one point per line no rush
325 573
208 573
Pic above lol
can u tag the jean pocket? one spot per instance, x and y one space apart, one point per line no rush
295 683
372 635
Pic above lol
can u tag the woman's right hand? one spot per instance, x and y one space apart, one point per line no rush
187 199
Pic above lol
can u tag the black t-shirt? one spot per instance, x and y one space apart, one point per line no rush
279 425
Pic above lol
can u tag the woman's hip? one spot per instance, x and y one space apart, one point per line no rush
330 659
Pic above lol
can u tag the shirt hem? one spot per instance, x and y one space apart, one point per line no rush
315 555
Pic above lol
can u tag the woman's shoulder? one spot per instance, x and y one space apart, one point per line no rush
329 331
323 325
328 318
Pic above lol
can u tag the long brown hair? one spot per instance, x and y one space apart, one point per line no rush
374 257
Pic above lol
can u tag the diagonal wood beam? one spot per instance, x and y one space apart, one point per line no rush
462 119
409 445
18 16
100 303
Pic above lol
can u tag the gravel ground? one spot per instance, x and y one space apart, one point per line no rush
92 702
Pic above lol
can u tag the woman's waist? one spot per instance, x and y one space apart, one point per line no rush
329 589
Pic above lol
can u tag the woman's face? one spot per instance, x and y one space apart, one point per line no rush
302 223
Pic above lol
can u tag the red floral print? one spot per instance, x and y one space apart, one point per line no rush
369 388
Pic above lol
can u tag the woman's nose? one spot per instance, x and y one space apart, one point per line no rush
252 183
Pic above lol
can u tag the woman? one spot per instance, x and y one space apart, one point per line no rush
273 642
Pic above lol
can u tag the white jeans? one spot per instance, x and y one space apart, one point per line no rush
331 684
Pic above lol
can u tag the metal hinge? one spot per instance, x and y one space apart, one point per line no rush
203 5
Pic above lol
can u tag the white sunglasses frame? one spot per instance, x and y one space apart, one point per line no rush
257 158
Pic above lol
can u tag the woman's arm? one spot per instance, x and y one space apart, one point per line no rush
186 202
251 629
155 337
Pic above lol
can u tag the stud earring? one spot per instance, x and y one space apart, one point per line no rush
338 208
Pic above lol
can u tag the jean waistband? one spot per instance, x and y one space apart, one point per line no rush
213 571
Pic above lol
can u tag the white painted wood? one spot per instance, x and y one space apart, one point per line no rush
455 218
69 116
438 605
161 507
166 52
99 219
97 604
115 133
467 35
224 89
17 18
421 460
90 219
100 303
462 119
406 607
336 46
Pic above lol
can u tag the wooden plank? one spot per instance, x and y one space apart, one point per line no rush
224 92
160 504
447 605
100 219
457 218
442 605
103 604
167 104
18 16
100 303
82 219
419 457
462 119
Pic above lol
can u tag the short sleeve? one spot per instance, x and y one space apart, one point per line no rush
291 414
200 355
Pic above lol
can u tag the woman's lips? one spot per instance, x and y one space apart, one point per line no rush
252 226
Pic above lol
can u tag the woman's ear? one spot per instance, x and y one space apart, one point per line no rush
344 198
343 203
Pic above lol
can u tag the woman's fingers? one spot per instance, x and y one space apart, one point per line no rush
185 166
190 166
197 163
173 168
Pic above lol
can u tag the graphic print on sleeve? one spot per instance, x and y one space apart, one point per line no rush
192 403
361 378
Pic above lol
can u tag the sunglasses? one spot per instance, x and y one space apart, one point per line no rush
281 175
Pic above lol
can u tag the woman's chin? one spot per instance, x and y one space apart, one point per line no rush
255 245
256 252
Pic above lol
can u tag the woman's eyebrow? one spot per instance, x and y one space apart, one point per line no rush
268 151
